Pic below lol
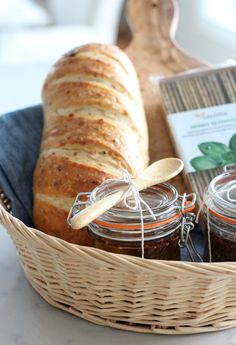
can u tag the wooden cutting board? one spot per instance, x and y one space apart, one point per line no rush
155 55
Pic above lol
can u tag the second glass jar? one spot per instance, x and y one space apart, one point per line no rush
220 217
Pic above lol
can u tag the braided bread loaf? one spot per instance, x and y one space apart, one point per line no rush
94 126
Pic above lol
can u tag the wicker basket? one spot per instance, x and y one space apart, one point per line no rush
126 292
121 291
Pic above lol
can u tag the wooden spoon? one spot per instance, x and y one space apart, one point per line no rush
158 172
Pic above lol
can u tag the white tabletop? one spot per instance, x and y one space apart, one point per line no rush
26 319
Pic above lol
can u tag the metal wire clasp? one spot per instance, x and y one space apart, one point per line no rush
187 225
229 167
81 201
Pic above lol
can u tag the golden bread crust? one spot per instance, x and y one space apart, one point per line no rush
93 69
94 126
97 132
69 177
53 219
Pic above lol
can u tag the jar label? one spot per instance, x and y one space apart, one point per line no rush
205 138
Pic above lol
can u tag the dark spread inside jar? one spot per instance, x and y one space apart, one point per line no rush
220 218
119 229
165 248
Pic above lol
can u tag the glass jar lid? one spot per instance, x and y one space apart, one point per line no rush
163 199
221 196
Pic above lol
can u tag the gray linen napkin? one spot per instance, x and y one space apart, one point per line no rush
20 136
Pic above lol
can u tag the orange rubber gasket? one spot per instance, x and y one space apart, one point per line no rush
218 215
146 226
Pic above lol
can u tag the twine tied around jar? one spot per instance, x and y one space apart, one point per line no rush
132 191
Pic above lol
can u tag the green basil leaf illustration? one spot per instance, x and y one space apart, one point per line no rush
203 163
232 143
229 157
213 150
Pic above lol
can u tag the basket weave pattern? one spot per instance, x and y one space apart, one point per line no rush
122 291
126 292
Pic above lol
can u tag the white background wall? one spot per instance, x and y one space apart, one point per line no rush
201 35
32 39
28 46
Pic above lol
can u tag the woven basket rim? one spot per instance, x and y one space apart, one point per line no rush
66 248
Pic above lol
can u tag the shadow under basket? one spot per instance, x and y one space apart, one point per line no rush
126 292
